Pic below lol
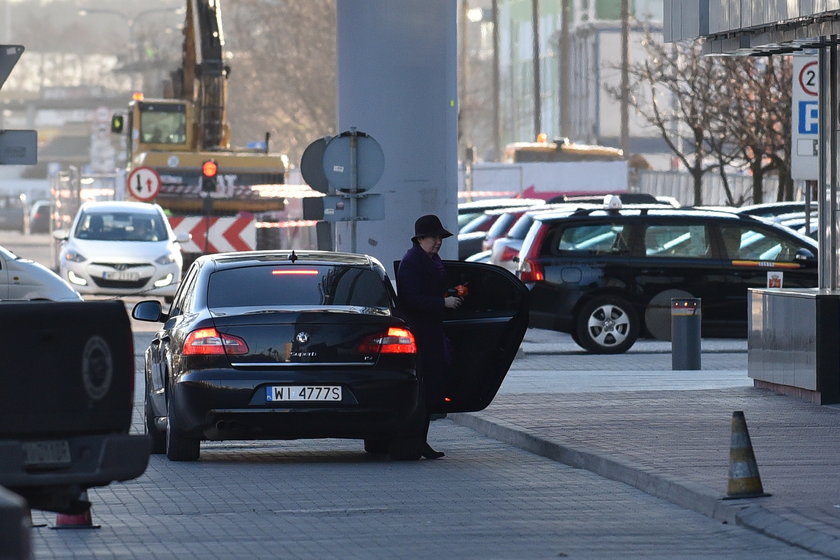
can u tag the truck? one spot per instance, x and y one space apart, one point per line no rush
170 139
66 402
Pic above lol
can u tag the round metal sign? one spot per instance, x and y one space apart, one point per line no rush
144 183
312 165
370 162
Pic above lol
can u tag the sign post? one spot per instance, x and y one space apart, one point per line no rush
344 167
805 119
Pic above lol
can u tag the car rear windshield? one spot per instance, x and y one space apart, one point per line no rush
521 227
296 285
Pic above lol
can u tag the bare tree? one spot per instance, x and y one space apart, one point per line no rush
718 112
670 90
759 119
283 77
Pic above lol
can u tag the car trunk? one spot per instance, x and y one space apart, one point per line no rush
305 337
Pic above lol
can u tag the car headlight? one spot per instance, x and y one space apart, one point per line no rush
74 256
168 258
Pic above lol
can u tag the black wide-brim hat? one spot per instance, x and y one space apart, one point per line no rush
429 226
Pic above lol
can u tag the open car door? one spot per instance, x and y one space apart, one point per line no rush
486 331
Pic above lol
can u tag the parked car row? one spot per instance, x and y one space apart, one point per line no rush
605 273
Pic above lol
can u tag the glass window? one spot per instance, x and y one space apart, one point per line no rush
296 285
121 226
596 239
676 240
163 123
751 243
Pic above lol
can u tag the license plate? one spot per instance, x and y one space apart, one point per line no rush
121 275
303 393
40 453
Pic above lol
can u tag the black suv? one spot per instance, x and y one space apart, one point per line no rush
608 276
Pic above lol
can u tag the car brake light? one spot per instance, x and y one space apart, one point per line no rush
531 271
212 342
295 272
395 341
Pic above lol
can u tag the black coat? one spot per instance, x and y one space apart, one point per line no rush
421 287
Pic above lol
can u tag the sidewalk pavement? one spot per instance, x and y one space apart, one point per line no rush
675 444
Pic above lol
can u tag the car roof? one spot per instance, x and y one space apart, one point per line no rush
278 257
637 210
119 205
491 203
660 211
513 209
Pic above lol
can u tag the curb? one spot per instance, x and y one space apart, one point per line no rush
684 494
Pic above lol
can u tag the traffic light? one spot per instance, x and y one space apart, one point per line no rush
209 170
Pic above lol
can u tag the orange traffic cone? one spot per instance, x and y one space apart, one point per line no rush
81 520
744 481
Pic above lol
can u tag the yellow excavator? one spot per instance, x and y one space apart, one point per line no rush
176 135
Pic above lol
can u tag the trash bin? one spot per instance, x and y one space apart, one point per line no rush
685 333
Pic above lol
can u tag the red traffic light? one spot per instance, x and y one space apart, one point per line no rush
209 168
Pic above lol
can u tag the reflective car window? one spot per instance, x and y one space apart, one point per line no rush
749 243
296 285
121 226
186 293
521 227
594 239
676 240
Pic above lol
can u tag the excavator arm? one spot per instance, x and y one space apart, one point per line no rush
202 78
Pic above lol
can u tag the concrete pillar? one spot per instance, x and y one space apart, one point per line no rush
397 82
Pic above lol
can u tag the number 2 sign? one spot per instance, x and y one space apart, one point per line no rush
805 119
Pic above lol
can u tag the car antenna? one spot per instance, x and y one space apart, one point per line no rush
293 257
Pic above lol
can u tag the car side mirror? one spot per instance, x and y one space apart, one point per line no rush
61 234
149 310
803 255
183 237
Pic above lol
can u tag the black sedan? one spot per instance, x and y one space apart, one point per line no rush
293 345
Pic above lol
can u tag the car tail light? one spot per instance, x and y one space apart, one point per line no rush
531 271
212 342
508 253
395 341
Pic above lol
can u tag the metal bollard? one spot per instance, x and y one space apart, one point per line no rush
685 333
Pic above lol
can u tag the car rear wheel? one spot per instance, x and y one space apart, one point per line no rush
157 437
607 325
179 447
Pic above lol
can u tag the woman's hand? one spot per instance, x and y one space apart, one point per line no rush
452 302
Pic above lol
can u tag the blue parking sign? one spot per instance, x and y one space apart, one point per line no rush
809 117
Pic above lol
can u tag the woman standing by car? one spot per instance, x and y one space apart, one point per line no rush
421 284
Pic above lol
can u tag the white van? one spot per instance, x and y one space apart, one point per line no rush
24 280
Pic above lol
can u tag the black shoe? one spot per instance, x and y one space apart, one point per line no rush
430 453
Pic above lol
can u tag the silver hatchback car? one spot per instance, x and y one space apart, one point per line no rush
121 248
